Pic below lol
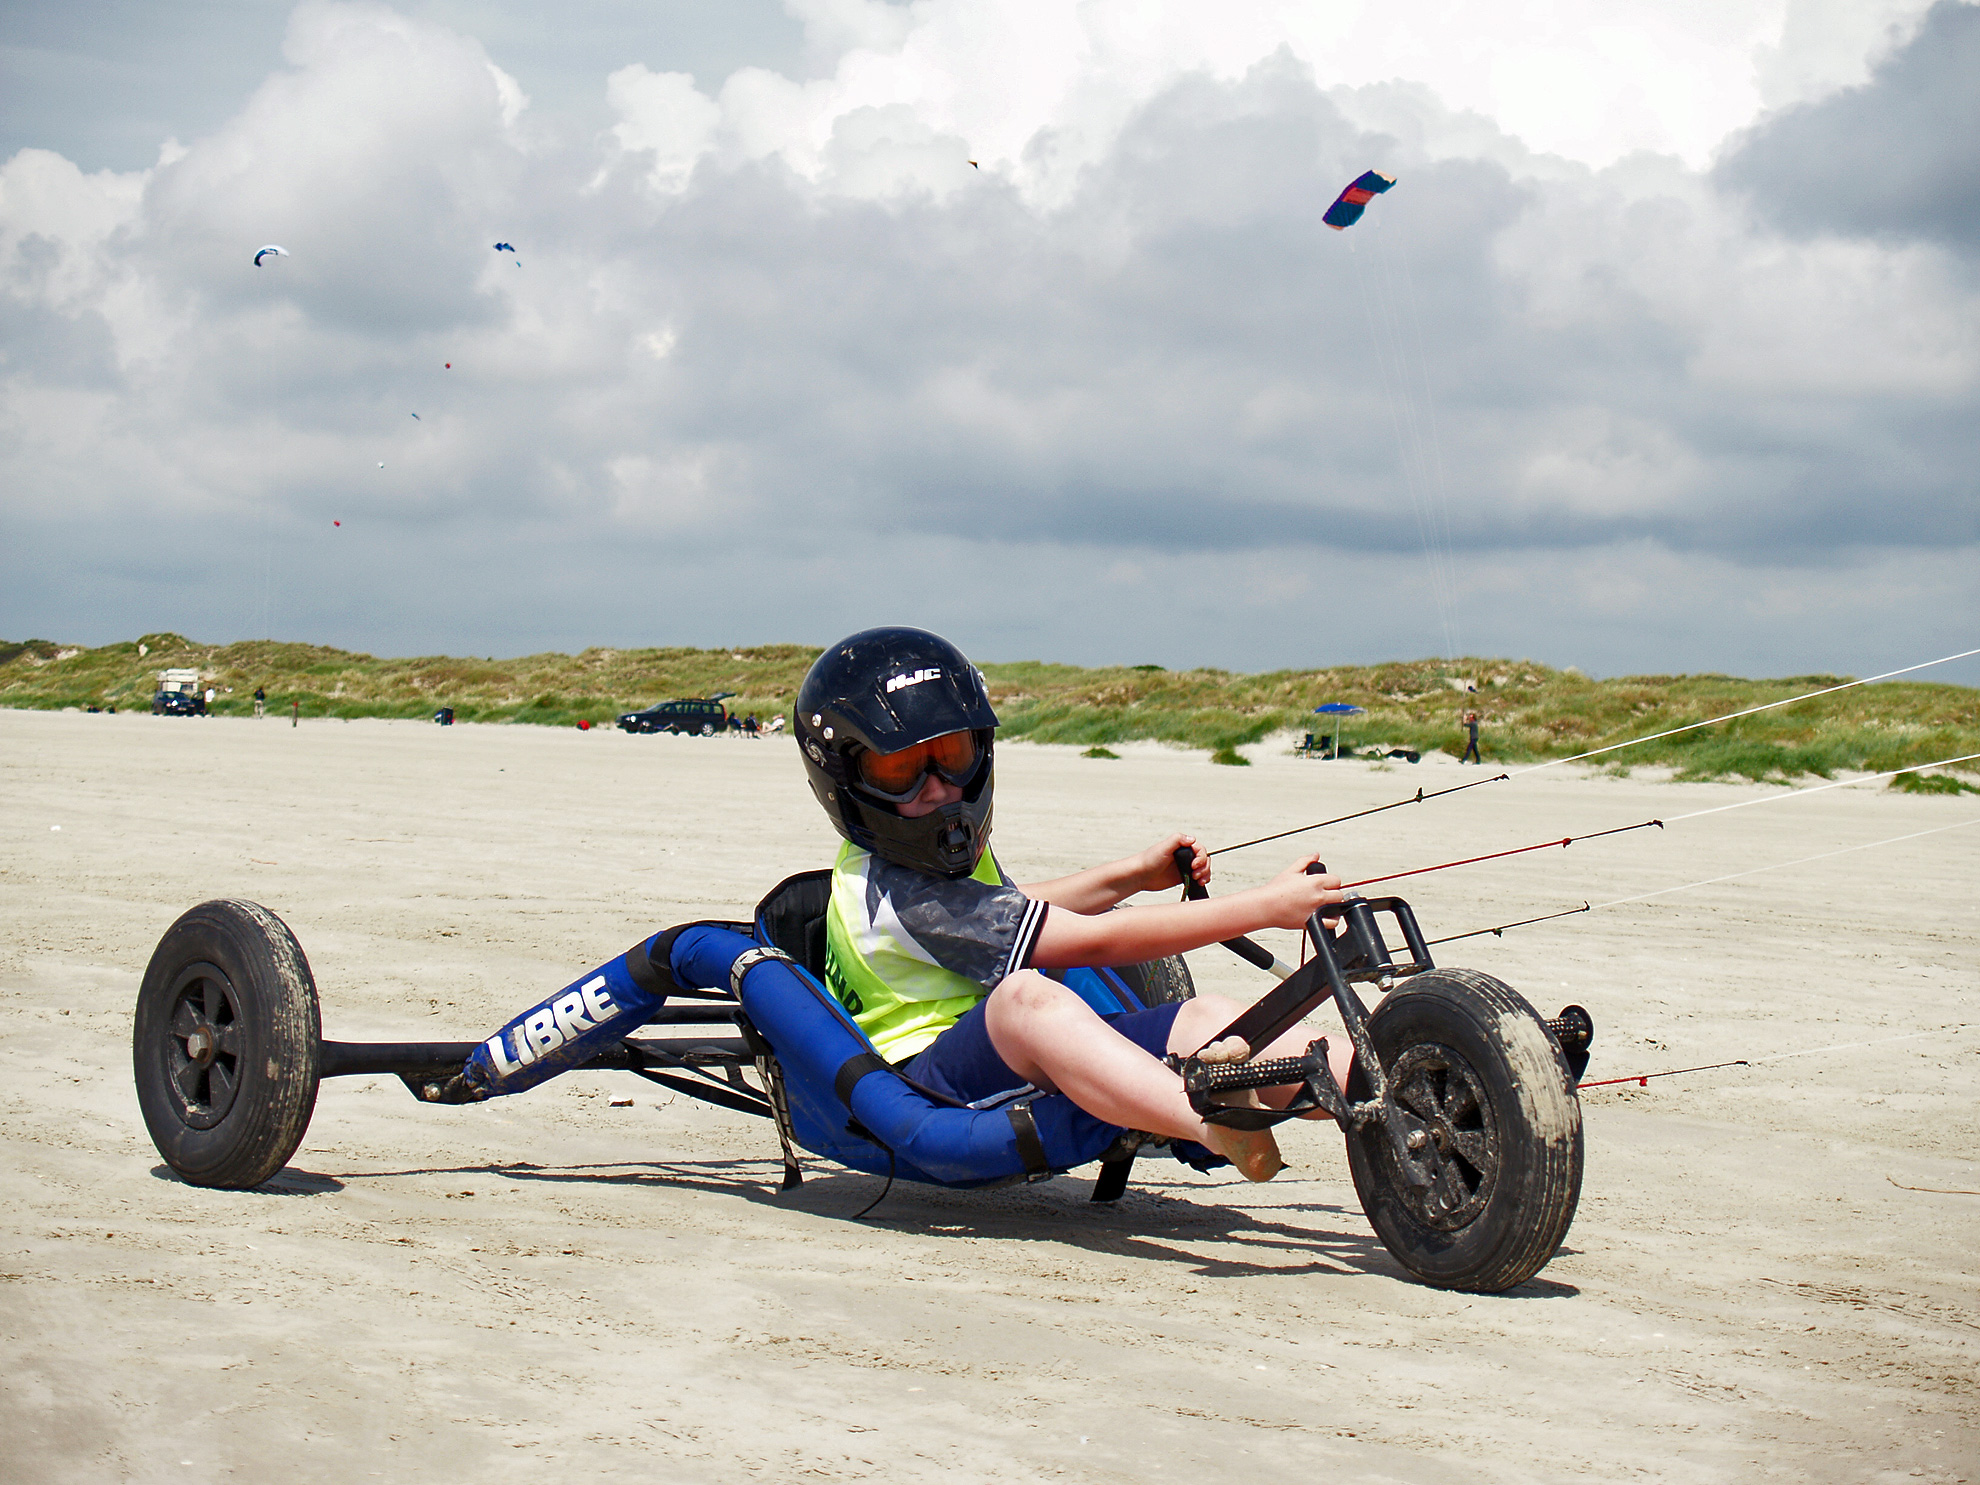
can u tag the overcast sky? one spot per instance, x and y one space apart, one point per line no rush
1663 354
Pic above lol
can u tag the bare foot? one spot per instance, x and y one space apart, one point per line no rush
1253 1151
1230 1049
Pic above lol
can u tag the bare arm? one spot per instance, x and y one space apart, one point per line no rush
1101 887
1070 938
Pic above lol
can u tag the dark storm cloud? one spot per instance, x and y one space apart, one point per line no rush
1897 157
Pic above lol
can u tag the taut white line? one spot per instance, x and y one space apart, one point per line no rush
1868 778
1729 716
1734 876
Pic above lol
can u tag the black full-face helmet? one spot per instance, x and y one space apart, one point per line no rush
885 691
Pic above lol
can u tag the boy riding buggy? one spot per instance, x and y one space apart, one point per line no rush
913 1012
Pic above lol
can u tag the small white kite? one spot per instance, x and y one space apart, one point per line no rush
280 252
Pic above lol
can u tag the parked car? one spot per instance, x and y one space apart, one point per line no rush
178 695
697 715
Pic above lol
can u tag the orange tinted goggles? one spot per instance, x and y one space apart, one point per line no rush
899 775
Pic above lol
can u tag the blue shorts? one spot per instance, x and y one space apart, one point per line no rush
963 1065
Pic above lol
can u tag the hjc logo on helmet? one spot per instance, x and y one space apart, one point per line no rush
913 678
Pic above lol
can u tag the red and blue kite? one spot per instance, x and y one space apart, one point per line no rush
1349 205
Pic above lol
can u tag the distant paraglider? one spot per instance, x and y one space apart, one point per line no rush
279 252
508 247
1351 203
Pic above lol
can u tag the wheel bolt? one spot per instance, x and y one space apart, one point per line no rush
1417 1139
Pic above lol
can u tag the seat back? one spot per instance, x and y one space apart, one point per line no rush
792 916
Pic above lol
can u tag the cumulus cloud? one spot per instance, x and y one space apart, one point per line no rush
1897 157
776 361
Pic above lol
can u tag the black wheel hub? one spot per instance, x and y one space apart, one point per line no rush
203 1046
1443 1104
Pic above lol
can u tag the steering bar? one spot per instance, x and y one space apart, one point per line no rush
1246 949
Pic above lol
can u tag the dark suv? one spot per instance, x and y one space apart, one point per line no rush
704 717
178 703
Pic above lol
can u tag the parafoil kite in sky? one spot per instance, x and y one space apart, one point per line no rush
504 247
280 252
1349 205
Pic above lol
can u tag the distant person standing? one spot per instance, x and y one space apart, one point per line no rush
206 703
260 702
1471 740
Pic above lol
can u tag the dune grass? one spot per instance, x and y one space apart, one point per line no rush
1529 712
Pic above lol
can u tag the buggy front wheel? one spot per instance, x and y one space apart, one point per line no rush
226 1046
1473 1072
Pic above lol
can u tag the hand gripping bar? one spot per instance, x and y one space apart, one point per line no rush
1249 950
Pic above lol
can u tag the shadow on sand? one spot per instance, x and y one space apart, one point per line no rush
1159 1220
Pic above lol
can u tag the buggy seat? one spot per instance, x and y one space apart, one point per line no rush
842 1100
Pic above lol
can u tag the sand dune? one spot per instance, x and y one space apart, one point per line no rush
551 1287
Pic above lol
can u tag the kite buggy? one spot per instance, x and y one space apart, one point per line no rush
1461 1121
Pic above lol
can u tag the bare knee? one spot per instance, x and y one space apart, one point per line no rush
1199 1020
1029 993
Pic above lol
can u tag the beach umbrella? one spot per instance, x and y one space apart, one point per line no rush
1337 709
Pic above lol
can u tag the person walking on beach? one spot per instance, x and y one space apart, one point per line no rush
1471 740
260 702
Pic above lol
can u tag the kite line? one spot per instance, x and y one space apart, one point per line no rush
1569 840
1731 876
1836 784
1420 796
1643 1079
1749 711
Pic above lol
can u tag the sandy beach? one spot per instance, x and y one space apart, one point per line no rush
553 1287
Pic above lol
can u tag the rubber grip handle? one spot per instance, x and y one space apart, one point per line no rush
1185 859
1195 891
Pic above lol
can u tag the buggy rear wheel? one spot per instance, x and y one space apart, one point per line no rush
1158 981
1167 979
226 1045
1473 1071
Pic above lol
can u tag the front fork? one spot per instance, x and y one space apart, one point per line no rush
1354 951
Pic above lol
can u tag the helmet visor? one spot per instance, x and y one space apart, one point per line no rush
898 777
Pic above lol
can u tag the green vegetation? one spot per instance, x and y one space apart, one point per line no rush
1101 753
556 690
1932 783
1230 758
1529 712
